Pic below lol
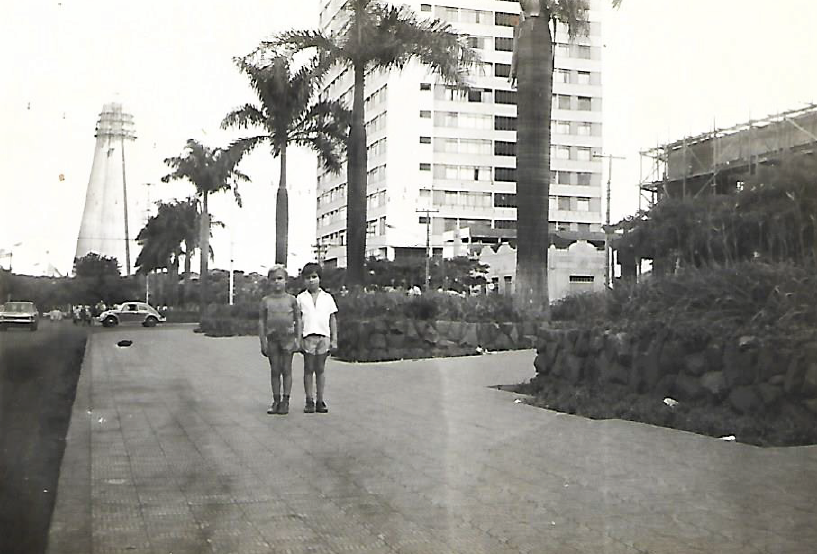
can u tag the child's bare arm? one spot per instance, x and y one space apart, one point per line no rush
299 325
262 325
333 332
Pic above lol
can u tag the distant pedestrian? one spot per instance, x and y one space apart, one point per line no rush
279 329
320 335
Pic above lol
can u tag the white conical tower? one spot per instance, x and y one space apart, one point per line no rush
104 228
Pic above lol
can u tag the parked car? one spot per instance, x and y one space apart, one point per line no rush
131 312
19 314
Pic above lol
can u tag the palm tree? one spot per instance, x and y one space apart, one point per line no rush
210 170
533 71
376 36
287 115
175 224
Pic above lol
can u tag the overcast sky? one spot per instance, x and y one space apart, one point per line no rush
671 69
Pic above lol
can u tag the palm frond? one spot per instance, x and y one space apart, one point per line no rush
572 14
244 117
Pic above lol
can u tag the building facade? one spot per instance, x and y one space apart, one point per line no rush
441 160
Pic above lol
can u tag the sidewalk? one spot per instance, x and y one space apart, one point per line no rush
170 450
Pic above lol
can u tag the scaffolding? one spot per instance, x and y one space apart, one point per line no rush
718 161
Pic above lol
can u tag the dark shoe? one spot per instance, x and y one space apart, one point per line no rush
273 408
321 408
309 407
283 407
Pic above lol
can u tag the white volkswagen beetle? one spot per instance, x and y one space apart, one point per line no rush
131 312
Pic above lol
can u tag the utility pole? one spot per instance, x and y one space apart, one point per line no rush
320 250
608 278
428 211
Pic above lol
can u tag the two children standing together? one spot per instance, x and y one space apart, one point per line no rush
289 324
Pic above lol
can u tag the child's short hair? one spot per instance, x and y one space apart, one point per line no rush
277 269
311 268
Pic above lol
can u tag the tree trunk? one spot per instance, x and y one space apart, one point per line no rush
188 253
204 252
535 83
173 278
356 187
282 213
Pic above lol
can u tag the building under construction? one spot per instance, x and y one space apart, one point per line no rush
717 161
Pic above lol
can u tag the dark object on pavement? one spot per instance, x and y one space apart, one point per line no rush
124 342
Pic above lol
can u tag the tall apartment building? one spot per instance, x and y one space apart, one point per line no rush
431 147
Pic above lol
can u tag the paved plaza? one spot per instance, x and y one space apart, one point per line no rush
170 450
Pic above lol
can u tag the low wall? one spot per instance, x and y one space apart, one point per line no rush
748 374
396 339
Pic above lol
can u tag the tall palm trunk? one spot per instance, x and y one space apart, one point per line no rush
356 186
282 213
188 252
535 84
173 280
205 255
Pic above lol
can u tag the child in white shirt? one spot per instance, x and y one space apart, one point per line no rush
320 335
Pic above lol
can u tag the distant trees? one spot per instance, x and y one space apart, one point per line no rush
210 170
167 236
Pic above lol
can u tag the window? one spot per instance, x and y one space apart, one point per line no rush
425 7
554 177
425 114
563 101
561 76
505 224
562 50
425 167
447 14
562 153
502 70
583 154
584 129
564 177
474 16
581 278
474 95
505 97
505 174
502 148
583 227
560 127
583 179
582 204
425 140
451 94
503 44
585 103
480 43
584 52
503 123
503 19
425 86
504 200
564 203
584 77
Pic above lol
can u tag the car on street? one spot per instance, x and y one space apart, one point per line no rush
131 312
19 314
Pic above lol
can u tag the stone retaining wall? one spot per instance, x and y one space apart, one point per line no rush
396 339
747 373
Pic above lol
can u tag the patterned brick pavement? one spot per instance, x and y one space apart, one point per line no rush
170 450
